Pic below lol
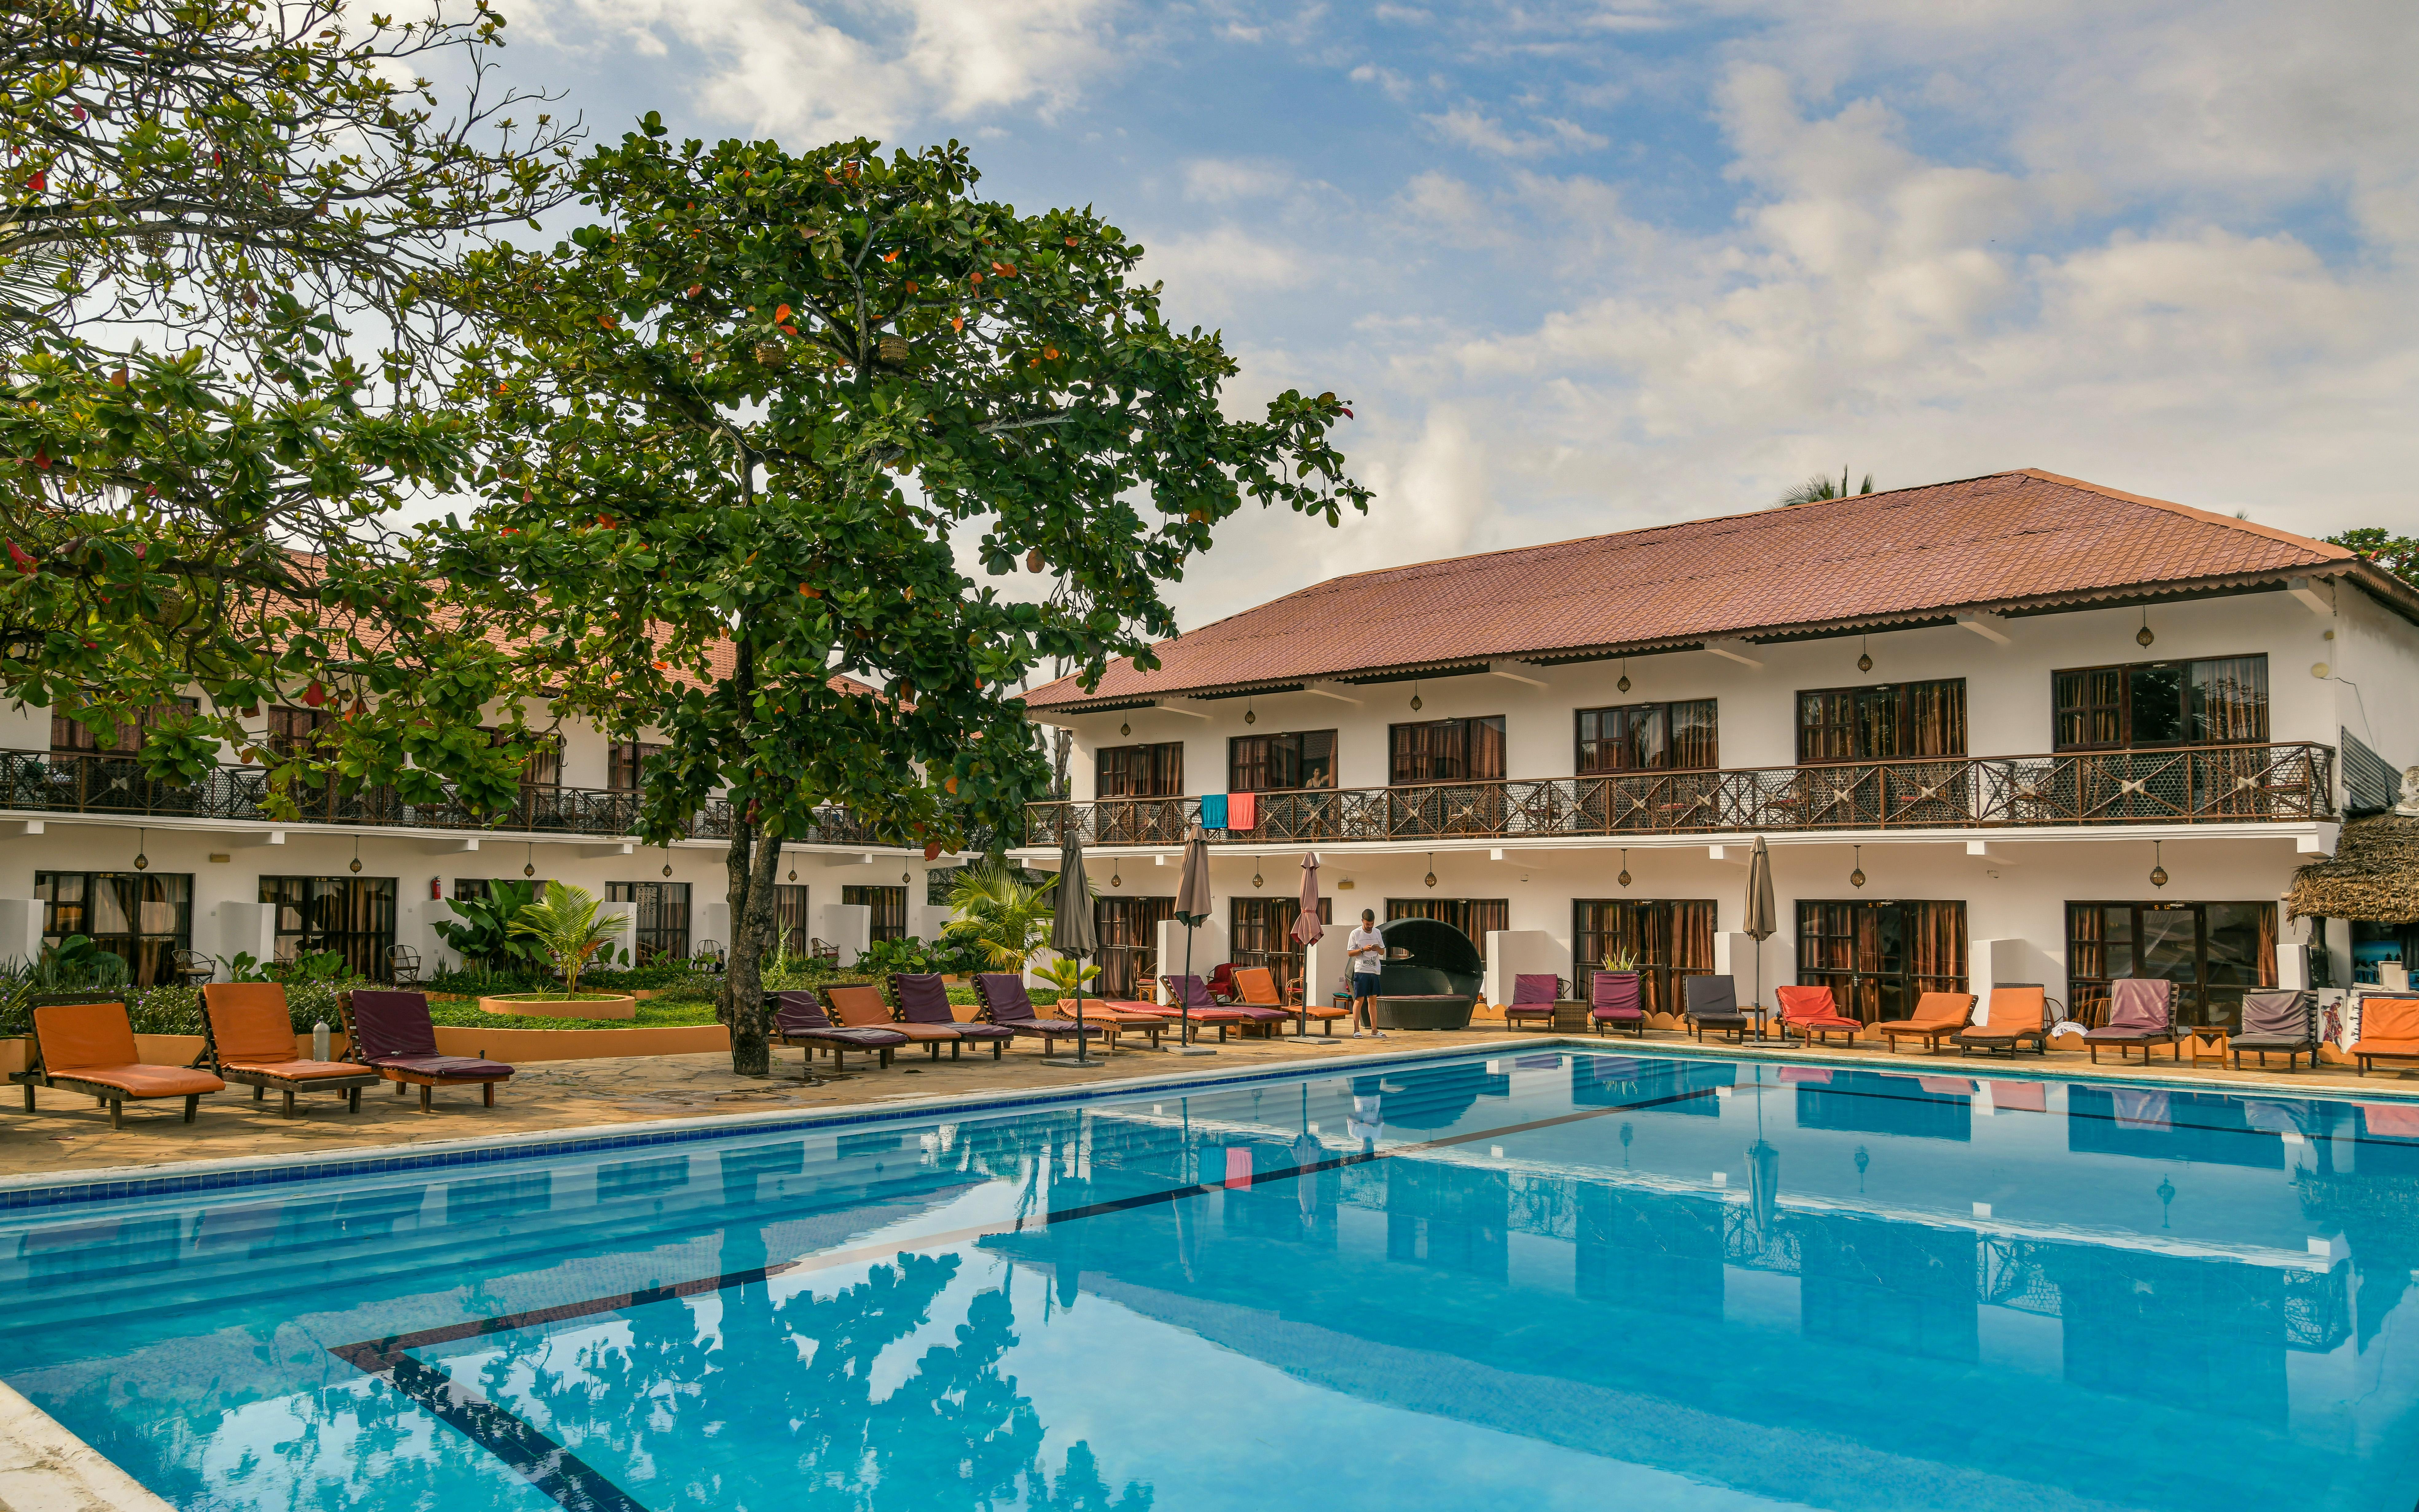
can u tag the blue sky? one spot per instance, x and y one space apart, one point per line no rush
1591 266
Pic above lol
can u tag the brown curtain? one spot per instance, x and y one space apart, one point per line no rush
1935 715
1695 746
1936 946
2268 945
2230 700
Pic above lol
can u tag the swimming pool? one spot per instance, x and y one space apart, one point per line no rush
1549 1280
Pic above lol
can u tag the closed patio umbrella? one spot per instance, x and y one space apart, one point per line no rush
1307 930
1073 932
1760 920
1192 907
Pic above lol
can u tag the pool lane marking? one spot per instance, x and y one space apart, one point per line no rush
395 1345
568 1480
577 1486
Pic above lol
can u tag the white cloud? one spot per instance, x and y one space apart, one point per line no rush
819 71
1218 180
1213 273
1471 128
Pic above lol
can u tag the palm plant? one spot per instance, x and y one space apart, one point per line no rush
565 927
1820 487
1000 912
1065 974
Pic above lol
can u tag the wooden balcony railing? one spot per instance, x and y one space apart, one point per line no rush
2206 784
50 783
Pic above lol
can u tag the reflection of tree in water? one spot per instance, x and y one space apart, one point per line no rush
2378 1214
649 1412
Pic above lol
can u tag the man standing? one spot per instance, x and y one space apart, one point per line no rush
1366 950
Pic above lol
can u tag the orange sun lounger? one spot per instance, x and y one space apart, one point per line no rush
866 1008
2389 1030
1936 1017
248 1037
1256 987
89 1048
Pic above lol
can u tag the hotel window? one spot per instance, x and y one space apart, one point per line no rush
2213 953
1139 771
1473 916
1672 939
353 917
70 737
1880 958
624 764
1447 751
790 924
544 766
889 905
1275 763
2221 702
1648 737
658 923
142 917
1882 723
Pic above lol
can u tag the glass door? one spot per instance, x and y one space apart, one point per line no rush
1129 930
1879 958
2213 952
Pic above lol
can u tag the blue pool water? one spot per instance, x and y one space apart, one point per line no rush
1553 1280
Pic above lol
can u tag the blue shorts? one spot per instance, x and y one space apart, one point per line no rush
1364 984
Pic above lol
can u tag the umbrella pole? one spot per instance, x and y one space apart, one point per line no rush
1083 1042
1183 999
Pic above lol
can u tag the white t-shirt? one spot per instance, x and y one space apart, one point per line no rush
1365 940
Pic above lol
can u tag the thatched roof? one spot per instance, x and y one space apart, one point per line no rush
2374 874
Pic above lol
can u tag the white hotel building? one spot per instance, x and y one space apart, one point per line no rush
2015 728
88 845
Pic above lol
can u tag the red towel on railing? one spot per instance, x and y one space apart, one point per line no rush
1243 811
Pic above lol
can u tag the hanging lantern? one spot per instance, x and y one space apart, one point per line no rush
2143 635
1116 881
1124 730
1415 697
1857 877
1864 658
141 862
1249 718
2158 871
667 869
357 864
1256 871
1431 877
357 854
794 873
1624 878
1623 683
529 862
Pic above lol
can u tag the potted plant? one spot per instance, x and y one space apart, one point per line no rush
568 933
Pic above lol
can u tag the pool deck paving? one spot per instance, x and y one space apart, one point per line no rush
68 1132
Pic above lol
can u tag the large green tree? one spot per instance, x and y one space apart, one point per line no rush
2396 554
746 420
222 332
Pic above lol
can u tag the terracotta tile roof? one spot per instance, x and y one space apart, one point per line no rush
2008 540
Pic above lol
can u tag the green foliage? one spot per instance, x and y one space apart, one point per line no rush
481 930
566 925
1000 913
200 198
1065 975
700 411
2396 554
1619 957
242 966
76 964
650 1014
1820 488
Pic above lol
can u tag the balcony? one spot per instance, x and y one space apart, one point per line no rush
2201 785
43 782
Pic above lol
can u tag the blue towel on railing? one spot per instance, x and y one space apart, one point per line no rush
1213 811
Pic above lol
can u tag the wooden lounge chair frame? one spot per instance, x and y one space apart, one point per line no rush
262 1081
2363 1059
1931 1033
112 1097
2307 1003
1990 1041
1049 1031
1815 1033
403 1076
808 1041
1637 1027
2173 1035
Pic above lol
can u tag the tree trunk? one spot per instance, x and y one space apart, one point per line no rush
750 861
